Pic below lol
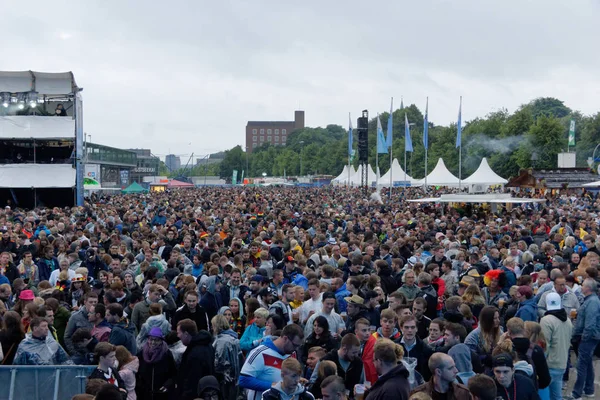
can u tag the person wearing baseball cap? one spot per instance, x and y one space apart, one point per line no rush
557 329
509 384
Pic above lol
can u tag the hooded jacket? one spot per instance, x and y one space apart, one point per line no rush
340 295
227 357
198 361
524 368
393 385
527 310
462 359
41 351
198 316
388 283
252 334
151 377
457 318
155 321
431 297
277 393
123 334
238 324
211 300
78 320
524 389
557 329
128 372
141 311
537 360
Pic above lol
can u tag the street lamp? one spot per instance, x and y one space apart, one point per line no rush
301 148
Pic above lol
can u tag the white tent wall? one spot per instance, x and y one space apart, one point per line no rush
355 180
397 174
45 83
440 176
485 175
341 178
36 127
37 176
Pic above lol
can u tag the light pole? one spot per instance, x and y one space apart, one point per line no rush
247 169
301 148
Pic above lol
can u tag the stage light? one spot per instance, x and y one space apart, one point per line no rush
32 98
5 96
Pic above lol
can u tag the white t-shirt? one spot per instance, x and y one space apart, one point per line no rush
54 276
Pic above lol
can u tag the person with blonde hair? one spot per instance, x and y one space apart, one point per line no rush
289 387
393 376
128 368
474 299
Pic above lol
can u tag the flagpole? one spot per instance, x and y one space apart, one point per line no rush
349 150
427 144
377 158
389 120
404 169
460 149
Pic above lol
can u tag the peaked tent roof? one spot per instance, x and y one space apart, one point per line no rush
134 188
178 184
355 179
397 174
440 176
485 175
341 176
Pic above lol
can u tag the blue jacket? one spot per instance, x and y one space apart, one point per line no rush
158 220
46 266
528 310
587 323
511 279
42 228
252 333
339 297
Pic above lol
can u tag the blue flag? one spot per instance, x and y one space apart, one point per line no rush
426 126
350 138
390 125
381 143
458 126
407 140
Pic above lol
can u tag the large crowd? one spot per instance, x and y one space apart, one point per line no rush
305 293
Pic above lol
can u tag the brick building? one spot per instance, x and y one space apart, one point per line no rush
273 132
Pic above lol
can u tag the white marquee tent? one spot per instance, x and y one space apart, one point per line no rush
342 178
355 180
397 174
440 176
483 177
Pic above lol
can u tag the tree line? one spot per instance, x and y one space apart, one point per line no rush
532 136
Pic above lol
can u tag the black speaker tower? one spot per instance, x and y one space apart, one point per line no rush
363 148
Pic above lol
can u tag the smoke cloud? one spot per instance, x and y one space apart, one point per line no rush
497 145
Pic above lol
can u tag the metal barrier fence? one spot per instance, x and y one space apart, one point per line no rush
42 382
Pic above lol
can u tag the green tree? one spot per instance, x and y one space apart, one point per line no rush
545 138
233 159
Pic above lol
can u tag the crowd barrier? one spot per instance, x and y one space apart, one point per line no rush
43 382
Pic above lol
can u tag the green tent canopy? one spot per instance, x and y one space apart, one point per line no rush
90 181
134 188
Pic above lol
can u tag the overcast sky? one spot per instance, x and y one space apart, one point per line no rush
186 76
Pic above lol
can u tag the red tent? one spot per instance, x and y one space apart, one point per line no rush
178 184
